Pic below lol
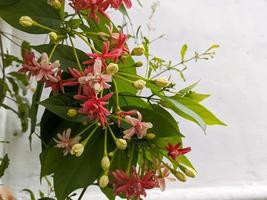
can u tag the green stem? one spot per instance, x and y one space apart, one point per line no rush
113 135
133 76
117 95
89 137
44 27
75 54
105 142
88 43
84 130
52 51
2 55
123 78
130 160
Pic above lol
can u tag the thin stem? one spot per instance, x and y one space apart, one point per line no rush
84 130
89 137
44 27
143 97
117 95
9 108
123 78
133 76
130 160
52 51
82 193
2 55
75 54
105 142
113 135
88 43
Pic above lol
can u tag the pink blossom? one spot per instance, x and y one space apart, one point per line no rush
139 128
121 115
163 176
175 150
65 142
28 66
117 3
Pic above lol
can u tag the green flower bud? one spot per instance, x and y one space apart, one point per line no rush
26 21
190 172
138 64
180 176
55 4
77 149
121 143
139 84
112 68
150 136
103 181
105 163
72 112
162 82
138 51
53 36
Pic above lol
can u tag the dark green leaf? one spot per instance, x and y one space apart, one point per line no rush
7 2
30 193
20 77
39 11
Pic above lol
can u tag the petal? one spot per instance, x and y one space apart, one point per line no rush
98 66
44 60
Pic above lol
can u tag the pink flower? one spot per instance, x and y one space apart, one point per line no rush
28 66
121 115
96 80
65 142
133 186
139 128
175 150
94 108
106 54
117 3
162 176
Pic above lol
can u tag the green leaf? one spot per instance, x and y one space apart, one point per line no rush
60 105
183 52
187 89
109 192
4 165
7 2
63 53
39 11
20 77
197 97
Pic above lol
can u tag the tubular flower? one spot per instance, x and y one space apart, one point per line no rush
28 66
94 108
133 186
121 115
162 176
139 128
175 150
65 142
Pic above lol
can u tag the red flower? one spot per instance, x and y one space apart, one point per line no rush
133 186
117 3
28 65
94 108
175 150
106 54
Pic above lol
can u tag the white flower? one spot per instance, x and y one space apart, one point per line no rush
77 150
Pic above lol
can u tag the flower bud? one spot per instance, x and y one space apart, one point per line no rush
138 51
150 136
112 69
190 172
138 64
105 163
26 21
162 82
121 143
104 36
77 149
72 112
139 84
53 36
103 181
55 4
180 176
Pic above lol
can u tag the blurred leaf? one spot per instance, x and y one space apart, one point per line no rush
187 89
25 47
14 85
183 52
4 165
20 77
7 2
197 97
9 59
30 193
39 11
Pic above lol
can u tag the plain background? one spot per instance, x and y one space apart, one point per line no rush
231 161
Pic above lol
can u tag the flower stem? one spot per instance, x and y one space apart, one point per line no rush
113 135
133 76
117 95
84 130
75 54
44 27
88 43
52 51
130 160
105 142
123 78
89 137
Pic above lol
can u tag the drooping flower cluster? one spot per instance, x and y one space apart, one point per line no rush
98 6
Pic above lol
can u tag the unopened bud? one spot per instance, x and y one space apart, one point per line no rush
162 82
138 64
121 143
103 181
180 176
53 36
150 136
55 4
77 149
26 21
139 84
105 163
111 154
72 112
190 172
138 51
112 68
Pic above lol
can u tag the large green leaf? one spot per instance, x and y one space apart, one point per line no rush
7 2
201 111
60 105
38 10
63 53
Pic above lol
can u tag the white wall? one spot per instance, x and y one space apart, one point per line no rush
231 162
